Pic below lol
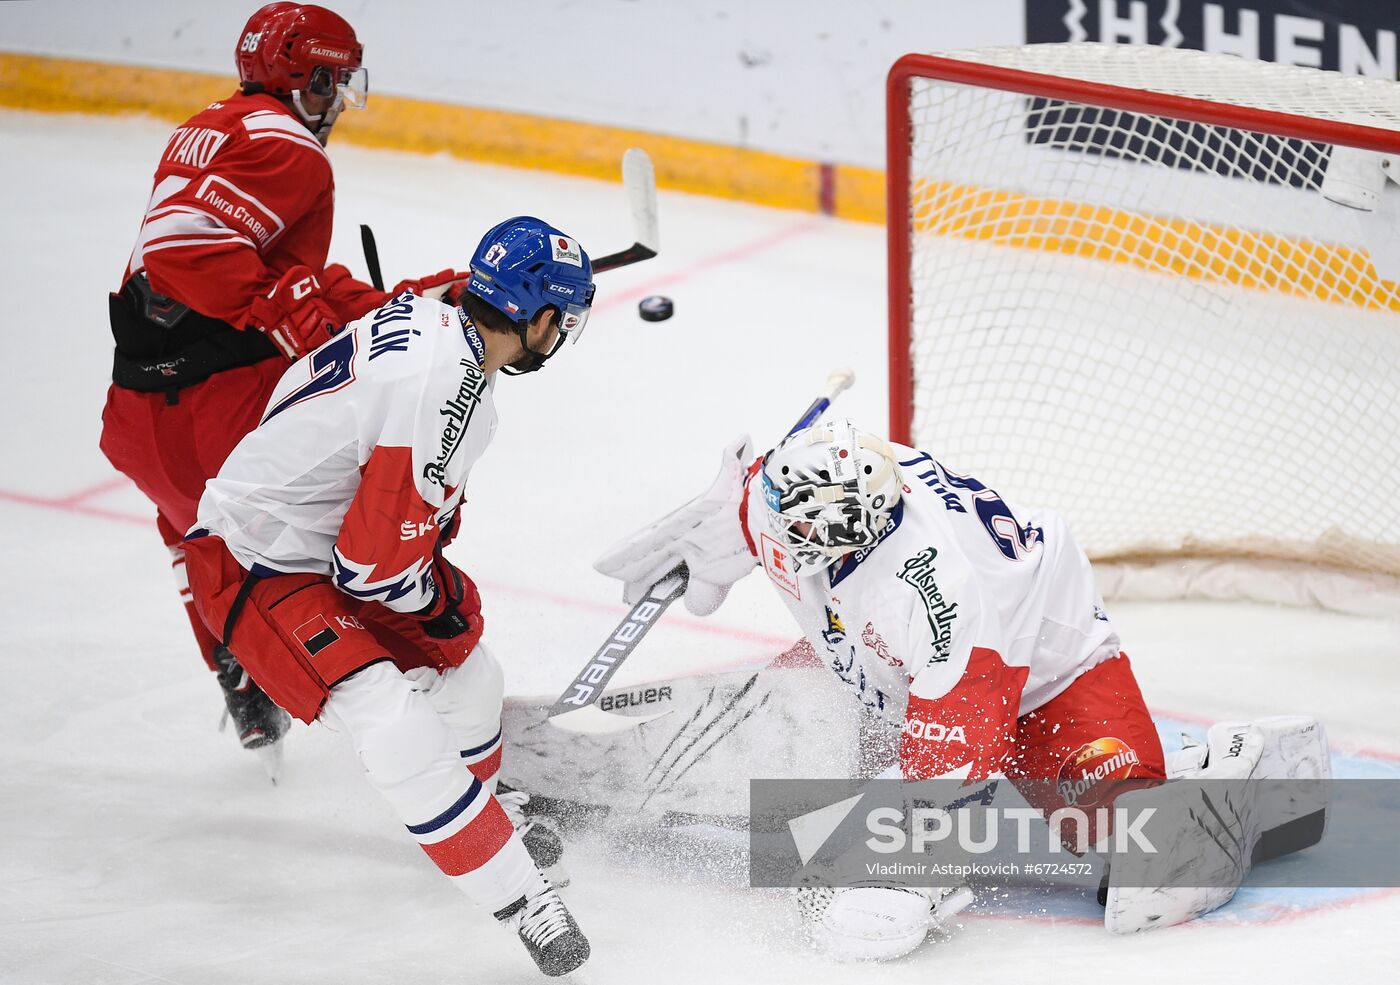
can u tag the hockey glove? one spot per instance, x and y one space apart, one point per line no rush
453 621
434 286
705 534
294 315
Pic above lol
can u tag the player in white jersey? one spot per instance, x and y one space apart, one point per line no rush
972 625
318 558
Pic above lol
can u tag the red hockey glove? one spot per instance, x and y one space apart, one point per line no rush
448 531
294 315
350 297
434 286
453 621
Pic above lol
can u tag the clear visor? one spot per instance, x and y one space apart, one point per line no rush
349 86
572 320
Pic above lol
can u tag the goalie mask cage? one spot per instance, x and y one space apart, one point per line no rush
1118 288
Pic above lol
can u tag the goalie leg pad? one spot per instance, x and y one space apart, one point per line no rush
1293 814
1218 845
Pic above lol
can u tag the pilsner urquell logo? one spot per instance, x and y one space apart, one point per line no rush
918 571
1088 766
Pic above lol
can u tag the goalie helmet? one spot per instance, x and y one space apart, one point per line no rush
830 489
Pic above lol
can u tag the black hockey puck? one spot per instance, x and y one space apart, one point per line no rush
654 307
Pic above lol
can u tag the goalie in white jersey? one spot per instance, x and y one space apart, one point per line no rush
971 625
318 559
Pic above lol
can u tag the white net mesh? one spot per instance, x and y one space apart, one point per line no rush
1160 328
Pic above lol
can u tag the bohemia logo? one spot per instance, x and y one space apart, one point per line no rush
1088 766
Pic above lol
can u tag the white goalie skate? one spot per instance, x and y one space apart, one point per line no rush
877 922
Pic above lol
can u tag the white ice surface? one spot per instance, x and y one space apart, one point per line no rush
138 845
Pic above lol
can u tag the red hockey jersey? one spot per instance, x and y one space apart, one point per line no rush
243 193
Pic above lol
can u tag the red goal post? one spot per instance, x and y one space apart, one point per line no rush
1213 169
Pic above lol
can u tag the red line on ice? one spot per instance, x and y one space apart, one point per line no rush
75 503
708 263
91 492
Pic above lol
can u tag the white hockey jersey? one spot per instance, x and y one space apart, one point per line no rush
965 615
362 455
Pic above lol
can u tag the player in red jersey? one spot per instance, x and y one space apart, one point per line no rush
228 282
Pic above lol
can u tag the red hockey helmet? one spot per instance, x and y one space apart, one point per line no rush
291 47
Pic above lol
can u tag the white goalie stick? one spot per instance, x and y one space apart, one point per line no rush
638 181
576 710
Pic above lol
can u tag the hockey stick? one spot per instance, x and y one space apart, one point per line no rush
638 180
576 703
376 276
575 710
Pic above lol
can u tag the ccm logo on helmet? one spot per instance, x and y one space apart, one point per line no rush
934 731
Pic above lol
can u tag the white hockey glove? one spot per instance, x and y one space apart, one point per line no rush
704 533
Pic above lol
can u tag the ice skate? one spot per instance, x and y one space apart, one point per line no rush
548 931
259 723
543 843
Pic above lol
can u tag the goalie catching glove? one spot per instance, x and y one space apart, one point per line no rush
705 534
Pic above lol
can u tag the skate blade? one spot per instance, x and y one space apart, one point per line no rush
950 906
270 756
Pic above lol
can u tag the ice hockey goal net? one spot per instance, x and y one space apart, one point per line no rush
1118 288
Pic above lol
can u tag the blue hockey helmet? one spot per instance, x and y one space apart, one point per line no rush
525 265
